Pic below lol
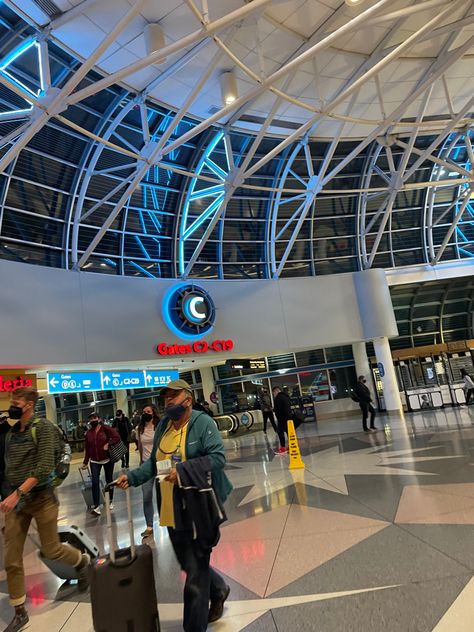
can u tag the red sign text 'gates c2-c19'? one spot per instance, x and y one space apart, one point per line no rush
200 346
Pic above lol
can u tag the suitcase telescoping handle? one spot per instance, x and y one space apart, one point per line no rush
107 489
82 474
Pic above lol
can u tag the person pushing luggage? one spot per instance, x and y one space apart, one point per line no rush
189 441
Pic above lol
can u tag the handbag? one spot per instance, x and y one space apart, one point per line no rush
117 451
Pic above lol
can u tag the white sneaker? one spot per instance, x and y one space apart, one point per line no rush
96 511
111 506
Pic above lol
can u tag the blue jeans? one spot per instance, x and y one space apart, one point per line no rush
202 581
148 510
109 477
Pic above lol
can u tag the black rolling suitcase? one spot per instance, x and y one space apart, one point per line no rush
123 594
78 539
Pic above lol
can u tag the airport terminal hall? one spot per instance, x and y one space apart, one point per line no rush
237 315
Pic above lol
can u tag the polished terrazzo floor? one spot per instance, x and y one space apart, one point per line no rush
376 533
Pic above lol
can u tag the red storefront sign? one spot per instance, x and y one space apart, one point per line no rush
10 383
200 346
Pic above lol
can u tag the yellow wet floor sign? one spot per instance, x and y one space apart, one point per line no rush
296 462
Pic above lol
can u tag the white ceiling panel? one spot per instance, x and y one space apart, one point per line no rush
265 46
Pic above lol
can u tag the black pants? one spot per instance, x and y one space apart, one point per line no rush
95 474
282 428
126 456
268 416
469 394
367 407
202 581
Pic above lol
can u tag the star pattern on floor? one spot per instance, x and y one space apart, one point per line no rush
327 469
269 551
237 614
437 504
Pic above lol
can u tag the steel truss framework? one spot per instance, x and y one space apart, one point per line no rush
153 193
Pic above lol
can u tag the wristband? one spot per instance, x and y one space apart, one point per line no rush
19 492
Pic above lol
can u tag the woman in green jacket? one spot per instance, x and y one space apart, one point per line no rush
184 434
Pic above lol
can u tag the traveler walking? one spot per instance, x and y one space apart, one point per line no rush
283 412
123 426
145 434
267 410
364 398
190 441
97 440
31 451
468 385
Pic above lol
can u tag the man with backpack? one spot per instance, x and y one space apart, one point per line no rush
32 459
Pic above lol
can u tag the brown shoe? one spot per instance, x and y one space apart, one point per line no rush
217 607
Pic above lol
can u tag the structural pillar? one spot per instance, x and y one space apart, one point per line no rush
361 360
208 384
391 393
50 407
122 402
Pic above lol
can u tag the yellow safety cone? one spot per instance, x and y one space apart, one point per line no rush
296 462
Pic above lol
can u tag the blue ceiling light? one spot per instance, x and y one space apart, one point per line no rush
7 68
195 216
445 201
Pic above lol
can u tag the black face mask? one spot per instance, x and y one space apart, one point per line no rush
94 423
146 417
175 412
15 412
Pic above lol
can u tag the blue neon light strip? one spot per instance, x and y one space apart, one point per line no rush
193 195
203 193
211 209
140 269
220 173
10 59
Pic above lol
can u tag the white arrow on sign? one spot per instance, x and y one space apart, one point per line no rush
107 380
54 382
148 377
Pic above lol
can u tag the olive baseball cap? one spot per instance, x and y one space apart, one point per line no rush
176 385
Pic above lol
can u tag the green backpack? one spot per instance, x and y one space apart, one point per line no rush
62 454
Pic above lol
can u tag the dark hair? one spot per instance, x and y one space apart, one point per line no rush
119 412
156 418
29 393
93 414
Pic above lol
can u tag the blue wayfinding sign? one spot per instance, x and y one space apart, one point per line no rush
155 379
74 382
108 380
116 380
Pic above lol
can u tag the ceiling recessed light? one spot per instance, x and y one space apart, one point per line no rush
228 87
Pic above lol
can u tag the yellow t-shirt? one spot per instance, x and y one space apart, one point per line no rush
172 444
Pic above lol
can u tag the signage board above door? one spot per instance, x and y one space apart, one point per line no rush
78 382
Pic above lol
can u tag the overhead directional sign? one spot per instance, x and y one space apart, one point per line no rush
117 380
155 379
74 382
108 380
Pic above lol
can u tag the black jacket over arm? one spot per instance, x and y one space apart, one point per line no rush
196 506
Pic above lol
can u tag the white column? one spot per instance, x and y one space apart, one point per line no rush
50 407
361 360
387 373
208 384
121 401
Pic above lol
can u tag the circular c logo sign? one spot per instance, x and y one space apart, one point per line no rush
189 311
